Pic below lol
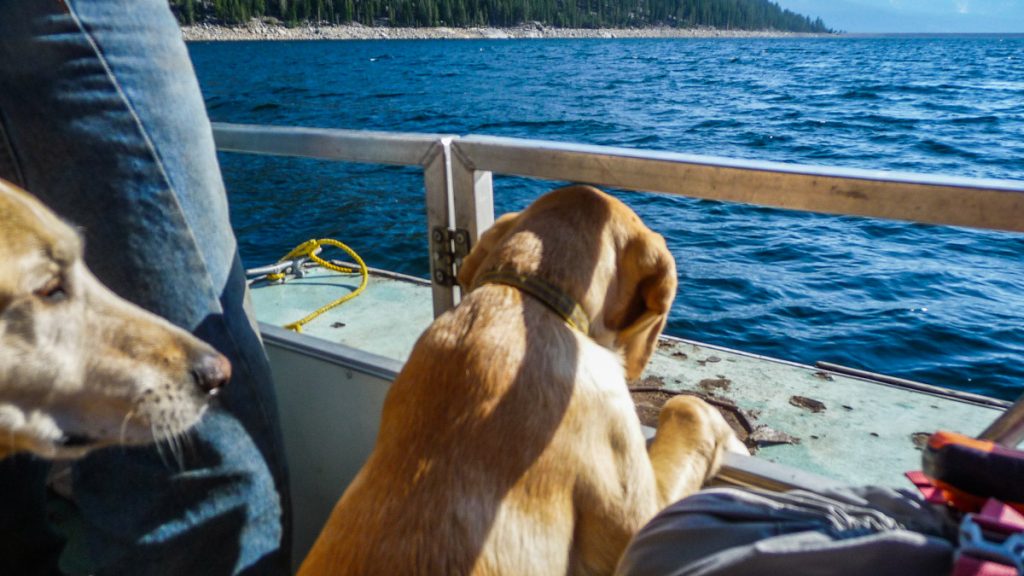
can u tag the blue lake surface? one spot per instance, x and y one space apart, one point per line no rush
936 304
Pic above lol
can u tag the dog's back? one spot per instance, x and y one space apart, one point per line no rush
479 478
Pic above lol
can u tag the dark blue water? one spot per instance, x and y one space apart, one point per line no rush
936 304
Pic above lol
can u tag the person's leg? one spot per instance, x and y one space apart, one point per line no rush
102 118
28 546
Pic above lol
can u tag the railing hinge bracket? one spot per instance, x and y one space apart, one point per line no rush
448 248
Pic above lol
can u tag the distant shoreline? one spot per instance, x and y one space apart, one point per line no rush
262 31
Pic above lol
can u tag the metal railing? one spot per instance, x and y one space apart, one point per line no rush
457 174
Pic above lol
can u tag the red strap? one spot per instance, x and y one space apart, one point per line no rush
931 493
935 492
970 566
997 516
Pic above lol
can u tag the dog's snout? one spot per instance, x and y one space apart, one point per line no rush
212 371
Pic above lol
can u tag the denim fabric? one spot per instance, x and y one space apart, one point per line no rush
102 118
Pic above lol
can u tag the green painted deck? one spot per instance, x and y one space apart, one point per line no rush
858 431
386 319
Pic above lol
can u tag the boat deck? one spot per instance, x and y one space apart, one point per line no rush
848 429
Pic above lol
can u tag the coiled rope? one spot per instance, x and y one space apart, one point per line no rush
310 249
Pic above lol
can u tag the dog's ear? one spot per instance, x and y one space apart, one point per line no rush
488 240
647 272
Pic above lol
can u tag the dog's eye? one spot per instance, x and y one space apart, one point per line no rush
53 290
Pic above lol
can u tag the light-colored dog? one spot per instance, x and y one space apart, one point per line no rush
81 368
509 443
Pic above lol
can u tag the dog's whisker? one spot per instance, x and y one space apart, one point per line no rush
168 437
187 446
124 426
189 442
179 456
157 441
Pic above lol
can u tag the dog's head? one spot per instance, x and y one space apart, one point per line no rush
598 251
80 368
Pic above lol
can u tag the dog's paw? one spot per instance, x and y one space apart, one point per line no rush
736 446
700 420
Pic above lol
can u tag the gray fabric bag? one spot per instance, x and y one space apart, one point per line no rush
871 530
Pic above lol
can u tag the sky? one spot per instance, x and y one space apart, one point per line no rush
963 16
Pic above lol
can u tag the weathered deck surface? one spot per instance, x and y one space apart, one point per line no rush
848 429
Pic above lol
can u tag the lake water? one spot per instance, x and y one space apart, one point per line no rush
936 304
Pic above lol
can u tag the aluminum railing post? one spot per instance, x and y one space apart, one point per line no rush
472 195
1008 428
437 182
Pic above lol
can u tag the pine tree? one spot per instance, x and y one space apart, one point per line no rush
728 14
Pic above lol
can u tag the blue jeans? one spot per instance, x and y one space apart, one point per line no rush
101 117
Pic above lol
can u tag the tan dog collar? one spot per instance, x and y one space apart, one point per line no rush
550 295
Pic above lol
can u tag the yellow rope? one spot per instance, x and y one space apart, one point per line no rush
309 250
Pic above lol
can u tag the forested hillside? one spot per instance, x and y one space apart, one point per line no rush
725 14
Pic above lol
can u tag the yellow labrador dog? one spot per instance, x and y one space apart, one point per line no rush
509 443
81 368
